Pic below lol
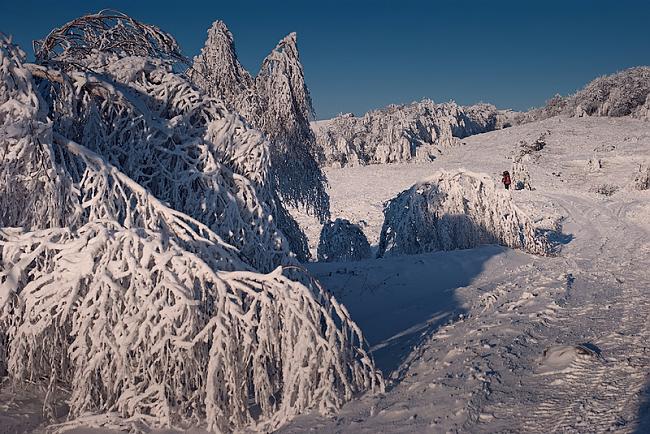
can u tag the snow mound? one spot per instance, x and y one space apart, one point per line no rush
139 249
456 210
558 358
341 240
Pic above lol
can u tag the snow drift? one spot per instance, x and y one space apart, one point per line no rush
341 240
139 249
456 210
416 131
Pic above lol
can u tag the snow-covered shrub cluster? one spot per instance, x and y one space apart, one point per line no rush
278 103
537 145
642 178
621 94
139 249
416 131
605 189
341 240
520 174
456 210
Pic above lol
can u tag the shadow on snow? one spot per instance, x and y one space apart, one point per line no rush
644 412
399 301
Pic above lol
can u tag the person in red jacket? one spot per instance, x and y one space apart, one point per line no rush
506 180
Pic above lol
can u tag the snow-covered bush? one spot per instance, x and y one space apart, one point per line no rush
642 178
416 131
341 240
605 189
456 210
621 94
643 112
520 174
594 164
141 268
537 145
278 103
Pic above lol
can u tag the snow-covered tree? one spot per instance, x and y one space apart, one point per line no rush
145 262
621 94
417 131
456 210
278 103
341 240
286 112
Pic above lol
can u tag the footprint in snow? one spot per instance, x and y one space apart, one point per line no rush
558 358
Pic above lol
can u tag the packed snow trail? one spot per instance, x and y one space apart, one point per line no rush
598 393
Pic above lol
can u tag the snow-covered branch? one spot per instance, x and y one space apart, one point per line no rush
136 325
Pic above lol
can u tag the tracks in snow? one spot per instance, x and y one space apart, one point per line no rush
610 310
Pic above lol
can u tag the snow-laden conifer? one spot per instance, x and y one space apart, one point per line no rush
277 102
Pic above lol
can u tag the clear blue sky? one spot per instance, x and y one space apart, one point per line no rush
360 55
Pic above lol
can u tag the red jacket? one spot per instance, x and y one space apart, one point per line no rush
506 179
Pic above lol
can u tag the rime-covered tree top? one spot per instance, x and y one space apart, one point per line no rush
218 71
276 101
281 85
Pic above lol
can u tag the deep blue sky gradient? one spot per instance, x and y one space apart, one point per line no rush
360 55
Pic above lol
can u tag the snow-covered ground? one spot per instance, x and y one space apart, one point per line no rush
496 340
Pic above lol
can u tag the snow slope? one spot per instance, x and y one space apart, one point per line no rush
506 341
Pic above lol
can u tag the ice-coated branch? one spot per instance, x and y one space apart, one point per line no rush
106 31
